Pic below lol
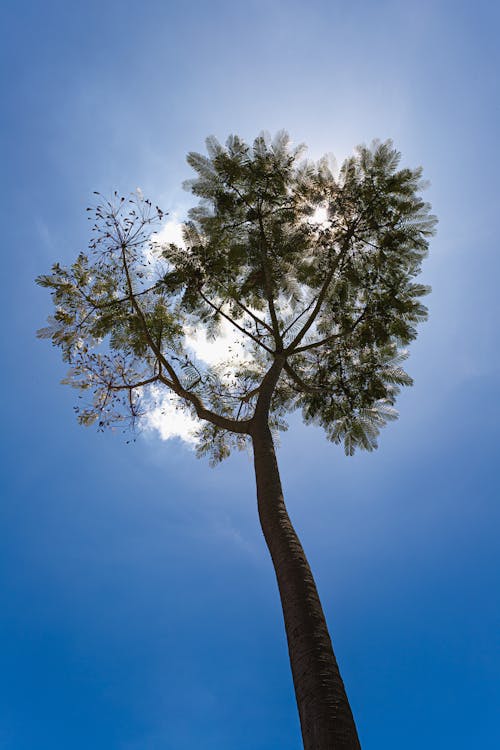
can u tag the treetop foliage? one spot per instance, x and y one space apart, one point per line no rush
323 309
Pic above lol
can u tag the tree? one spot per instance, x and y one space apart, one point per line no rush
324 310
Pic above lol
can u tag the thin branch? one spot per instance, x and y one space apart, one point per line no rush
275 327
268 285
252 315
317 344
333 337
220 311
175 384
100 306
144 323
299 316
248 396
301 383
133 386
321 296
124 299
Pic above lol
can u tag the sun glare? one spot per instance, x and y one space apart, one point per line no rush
320 216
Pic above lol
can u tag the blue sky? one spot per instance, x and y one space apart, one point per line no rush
138 608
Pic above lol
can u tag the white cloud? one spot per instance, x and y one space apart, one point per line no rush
228 344
170 232
170 419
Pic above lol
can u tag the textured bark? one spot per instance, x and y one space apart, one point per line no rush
325 715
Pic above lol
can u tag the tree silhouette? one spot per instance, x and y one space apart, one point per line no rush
323 310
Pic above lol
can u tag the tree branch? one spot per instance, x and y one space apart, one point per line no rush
267 387
275 327
301 383
174 384
156 349
133 386
220 311
322 294
333 337
254 317
268 285
304 311
112 302
232 425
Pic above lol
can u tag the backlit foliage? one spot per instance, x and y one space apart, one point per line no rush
335 302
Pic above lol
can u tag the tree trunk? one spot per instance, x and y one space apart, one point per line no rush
325 715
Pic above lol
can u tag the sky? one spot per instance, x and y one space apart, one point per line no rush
138 606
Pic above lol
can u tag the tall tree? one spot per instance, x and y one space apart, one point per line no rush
324 310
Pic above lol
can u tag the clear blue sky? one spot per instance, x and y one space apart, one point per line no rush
138 608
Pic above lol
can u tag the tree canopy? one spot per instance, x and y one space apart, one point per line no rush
335 301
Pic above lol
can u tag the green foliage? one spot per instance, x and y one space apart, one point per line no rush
334 302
